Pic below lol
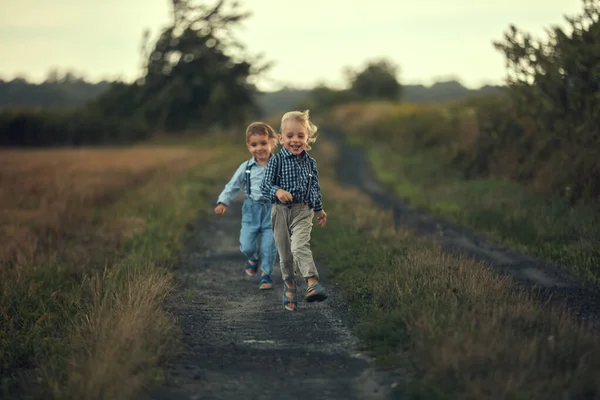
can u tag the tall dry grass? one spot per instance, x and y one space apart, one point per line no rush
49 195
80 315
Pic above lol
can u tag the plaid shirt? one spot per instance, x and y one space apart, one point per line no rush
295 175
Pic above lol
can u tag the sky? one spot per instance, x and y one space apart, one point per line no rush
309 42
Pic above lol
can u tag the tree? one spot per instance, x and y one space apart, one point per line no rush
557 80
196 73
324 98
555 85
376 81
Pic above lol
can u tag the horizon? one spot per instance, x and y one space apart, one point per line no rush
432 43
442 81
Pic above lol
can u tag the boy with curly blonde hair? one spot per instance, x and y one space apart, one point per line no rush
291 184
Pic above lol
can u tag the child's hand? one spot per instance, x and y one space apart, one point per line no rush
284 196
321 218
220 209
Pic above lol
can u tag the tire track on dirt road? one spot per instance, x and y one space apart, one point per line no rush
547 281
240 343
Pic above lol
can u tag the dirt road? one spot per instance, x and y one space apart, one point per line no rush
240 343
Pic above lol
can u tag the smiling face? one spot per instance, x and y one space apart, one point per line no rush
294 136
260 146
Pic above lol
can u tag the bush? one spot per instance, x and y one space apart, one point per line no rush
57 127
480 137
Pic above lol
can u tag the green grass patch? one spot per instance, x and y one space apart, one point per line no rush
452 327
508 213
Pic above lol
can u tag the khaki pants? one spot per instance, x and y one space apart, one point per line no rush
292 226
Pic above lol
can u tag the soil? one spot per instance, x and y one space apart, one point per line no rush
240 343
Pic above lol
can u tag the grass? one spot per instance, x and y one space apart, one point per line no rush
84 274
410 149
93 233
455 328
507 212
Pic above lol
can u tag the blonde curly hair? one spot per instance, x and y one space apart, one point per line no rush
304 118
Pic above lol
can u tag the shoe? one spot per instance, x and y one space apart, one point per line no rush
251 269
265 282
315 293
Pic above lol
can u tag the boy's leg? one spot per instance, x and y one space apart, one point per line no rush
249 233
280 217
301 228
268 249
281 236
300 237
248 242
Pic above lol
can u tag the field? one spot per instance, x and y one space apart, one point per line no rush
438 158
454 327
94 232
118 281
89 234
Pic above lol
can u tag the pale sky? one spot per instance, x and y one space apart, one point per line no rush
310 41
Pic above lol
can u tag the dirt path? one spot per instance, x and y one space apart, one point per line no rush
548 281
240 343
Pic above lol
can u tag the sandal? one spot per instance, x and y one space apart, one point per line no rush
251 269
315 293
265 282
286 300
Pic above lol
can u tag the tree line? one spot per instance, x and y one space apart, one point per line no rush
191 79
546 118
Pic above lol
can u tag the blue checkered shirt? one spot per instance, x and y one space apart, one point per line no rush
295 176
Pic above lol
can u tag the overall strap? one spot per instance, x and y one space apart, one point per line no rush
278 169
310 177
248 167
